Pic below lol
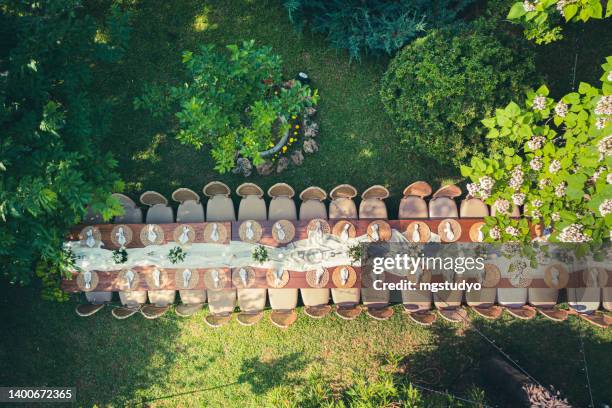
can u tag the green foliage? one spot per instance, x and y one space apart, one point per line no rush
355 253
177 254
120 256
437 88
235 103
260 254
52 163
540 18
385 390
372 26
553 157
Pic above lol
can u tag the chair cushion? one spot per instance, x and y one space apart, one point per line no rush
252 208
372 208
315 297
252 300
282 208
162 297
220 208
342 208
132 215
413 207
311 209
221 301
443 207
133 298
416 300
190 211
160 214
346 297
283 299
193 296
473 207
543 296
98 297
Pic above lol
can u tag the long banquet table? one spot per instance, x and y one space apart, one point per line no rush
230 243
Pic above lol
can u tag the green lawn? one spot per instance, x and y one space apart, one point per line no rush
117 363
181 362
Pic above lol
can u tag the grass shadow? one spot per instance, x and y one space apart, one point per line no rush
108 361
262 376
550 352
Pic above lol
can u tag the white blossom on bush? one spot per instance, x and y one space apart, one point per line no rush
536 163
510 230
555 166
518 198
560 190
473 189
539 103
605 208
573 233
516 180
529 6
604 106
609 178
555 216
605 145
543 183
561 109
495 233
536 142
597 174
502 206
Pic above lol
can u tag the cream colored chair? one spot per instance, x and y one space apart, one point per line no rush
373 206
282 301
190 210
131 301
220 208
584 301
417 303
342 206
252 302
443 205
159 213
316 301
413 204
481 301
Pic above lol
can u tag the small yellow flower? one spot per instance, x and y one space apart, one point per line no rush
292 140
271 144
284 149
293 117
295 133
297 126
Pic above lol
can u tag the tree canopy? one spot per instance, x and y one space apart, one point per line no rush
52 163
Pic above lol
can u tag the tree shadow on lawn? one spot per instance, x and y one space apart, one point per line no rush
550 352
108 361
262 376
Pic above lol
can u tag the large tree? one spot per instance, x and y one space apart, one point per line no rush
52 163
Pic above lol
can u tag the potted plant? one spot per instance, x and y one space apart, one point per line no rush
177 254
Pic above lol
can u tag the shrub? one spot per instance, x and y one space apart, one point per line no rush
372 26
235 103
555 159
438 88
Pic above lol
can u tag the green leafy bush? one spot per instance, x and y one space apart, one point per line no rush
372 26
52 164
554 158
541 18
235 103
438 88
